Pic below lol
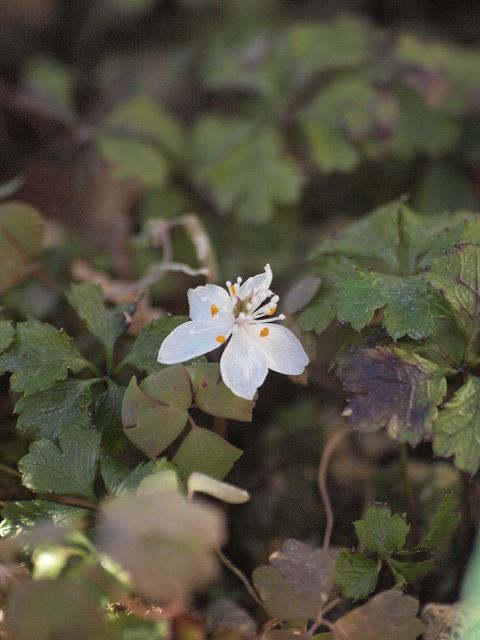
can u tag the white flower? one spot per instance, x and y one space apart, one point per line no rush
242 313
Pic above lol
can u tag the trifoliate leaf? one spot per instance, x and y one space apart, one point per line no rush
144 352
205 452
394 389
390 614
151 425
27 514
244 166
444 523
47 413
356 575
380 531
21 238
200 483
341 43
212 395
67 468
457 429
76 614
165 542
170 386
106 324
39 357
412 307
456 275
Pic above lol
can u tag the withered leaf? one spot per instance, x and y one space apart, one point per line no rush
394 389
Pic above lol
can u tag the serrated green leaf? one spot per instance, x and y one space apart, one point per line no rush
106 324
207 453
412 307
380 531
7 333
49 412
444 523
39 357
144 352
356 575
457 429
21 239
67 468
244 166
212 396
149 424
27 513
133 159
407 573
397 390
456 275
320 312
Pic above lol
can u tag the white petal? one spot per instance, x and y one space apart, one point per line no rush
283 351
243 365
210 302
257 285
193 339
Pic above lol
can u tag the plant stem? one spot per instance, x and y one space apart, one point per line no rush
409 495
241 576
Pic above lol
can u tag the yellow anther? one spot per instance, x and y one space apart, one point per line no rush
220 339
214 309
271 311
233 289
264 332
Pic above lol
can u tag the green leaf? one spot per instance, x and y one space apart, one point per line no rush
412 307
165 542
39 357
51 79
207 453
407 573
456 275
212 396
444 523
397 390
107 417
132 159
21 240
106 324
68 468
341 43
47 413
319 313
389 615
76 614
457 430
356 575
144 352
244 166
151 425
380 531
7 333
142 119
170 386
28 513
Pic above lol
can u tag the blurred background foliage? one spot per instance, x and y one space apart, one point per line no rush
274 122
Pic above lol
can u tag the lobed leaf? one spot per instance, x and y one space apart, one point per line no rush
355 574
380 531
144 352
206 452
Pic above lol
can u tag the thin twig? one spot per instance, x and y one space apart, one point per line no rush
241 576
8 471
153 277
327 453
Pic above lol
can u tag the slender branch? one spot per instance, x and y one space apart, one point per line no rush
327 453
8 471
241 576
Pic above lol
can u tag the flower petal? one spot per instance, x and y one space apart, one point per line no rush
283 351
192 339
210 302
257 286
243 365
